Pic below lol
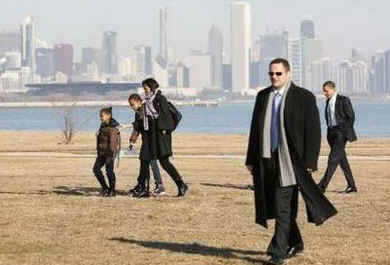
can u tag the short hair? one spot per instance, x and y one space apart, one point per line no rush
135 97
330 84
106 111
151 83
283 61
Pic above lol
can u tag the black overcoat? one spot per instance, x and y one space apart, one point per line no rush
157 141
303 131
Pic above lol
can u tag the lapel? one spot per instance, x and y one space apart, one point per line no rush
263 108
337 106
289 103
326 112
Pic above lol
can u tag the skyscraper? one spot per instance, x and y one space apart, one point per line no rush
296 60
143 60
387 69
273 45
109 52
199 64
216 51
9 41
311 51
45 62
163 51
63 59
88 56
379 66
240 45
148 60
28 44
13 60
307 29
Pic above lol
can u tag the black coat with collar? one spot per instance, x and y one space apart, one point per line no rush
303 131
302 124
345 116
157 141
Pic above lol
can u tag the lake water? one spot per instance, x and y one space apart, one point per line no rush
372 118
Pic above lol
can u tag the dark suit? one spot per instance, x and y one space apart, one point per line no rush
303 132
337 138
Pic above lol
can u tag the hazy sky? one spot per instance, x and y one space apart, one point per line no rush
342 24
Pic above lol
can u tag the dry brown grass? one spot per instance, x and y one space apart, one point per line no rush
211 144
50 214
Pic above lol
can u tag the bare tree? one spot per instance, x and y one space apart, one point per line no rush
69 125
71 120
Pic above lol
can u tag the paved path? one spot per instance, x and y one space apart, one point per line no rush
238 157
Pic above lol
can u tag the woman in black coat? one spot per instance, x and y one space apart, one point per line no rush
155 123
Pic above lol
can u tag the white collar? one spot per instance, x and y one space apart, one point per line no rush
281 91
333 98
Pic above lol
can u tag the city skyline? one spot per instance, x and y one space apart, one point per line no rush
139 27
240 69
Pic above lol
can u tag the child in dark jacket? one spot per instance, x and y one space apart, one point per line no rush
108 147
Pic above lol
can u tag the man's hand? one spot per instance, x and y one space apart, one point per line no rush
310 170
250 168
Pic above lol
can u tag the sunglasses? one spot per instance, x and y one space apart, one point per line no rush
275 73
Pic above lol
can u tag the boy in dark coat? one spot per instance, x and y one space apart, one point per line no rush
108 146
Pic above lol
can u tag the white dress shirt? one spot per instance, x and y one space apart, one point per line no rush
331 111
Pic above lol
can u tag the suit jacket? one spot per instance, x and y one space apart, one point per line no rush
303 131
345 116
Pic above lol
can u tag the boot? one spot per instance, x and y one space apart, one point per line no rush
104 186
112 191
182 187
143 192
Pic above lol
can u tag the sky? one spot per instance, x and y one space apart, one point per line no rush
341 24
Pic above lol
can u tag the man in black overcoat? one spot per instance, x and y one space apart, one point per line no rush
283 150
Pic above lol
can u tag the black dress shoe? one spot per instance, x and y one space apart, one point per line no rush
275 260
349 190
183 188
293 251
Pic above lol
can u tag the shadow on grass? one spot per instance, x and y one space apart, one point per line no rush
82 191
229 186
197 249
39 192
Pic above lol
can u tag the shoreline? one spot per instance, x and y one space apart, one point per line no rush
180 103
184 133
60 104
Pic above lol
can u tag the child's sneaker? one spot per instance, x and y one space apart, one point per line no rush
159 190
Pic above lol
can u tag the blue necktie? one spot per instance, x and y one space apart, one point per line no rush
275 122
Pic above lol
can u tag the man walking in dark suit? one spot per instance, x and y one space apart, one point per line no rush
283 150
340 118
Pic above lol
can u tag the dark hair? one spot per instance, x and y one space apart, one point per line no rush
151 83
285 63
106 110
135 97
330 84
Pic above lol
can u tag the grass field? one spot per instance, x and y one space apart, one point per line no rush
50 211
